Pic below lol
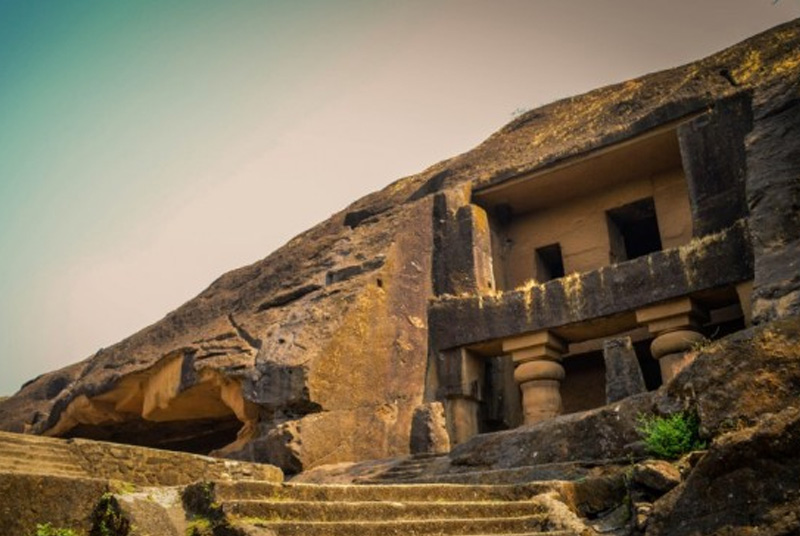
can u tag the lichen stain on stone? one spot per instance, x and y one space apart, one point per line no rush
776 344
690 254
481 220
573 292
788 65
359 329
528 289
751 65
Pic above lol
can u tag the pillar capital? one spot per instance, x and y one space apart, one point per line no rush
683 313
538 373
535 346
675 324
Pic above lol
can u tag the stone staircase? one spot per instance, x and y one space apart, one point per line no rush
260 508
239 499
38 455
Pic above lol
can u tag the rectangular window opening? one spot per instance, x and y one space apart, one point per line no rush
549 263
633 230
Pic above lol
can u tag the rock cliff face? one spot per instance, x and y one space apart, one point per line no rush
319 352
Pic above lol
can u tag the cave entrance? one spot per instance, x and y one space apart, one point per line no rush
196 436
169 406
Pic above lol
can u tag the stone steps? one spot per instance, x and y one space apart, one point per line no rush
259 508
254 490
536 524
383 510
36 455
54 468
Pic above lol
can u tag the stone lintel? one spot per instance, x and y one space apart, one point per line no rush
675 314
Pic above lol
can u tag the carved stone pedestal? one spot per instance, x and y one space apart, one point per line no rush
538 373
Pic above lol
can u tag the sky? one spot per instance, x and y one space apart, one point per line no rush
148 146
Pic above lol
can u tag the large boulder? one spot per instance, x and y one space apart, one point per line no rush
737 379
746 484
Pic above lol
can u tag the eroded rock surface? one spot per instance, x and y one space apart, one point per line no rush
747 483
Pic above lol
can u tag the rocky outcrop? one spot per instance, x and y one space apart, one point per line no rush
746 483
318 353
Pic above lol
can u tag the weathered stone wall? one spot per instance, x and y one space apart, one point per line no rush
713 152
773 198
150 467
351 394
28 500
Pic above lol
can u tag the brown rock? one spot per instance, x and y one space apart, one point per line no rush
741 377
747 482
428 430
31 499
656 475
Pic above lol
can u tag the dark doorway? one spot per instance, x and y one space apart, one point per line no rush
502 405
633 230
549 263
584 385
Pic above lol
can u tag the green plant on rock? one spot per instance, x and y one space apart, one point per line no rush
46 529
108 519
671 436
206 517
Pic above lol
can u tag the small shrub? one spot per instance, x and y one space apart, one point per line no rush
670 437
47 529
107 518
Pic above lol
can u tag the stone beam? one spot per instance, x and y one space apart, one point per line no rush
721 259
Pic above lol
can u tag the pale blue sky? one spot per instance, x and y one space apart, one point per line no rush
149 146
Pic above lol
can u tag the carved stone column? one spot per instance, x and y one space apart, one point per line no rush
745 292
538 373
676 325
460 374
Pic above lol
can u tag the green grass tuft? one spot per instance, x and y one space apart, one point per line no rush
47 529
672 436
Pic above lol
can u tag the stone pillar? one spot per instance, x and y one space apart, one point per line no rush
675 325
623 375
538 373
745 292
461 390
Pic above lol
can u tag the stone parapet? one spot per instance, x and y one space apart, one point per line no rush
612 292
